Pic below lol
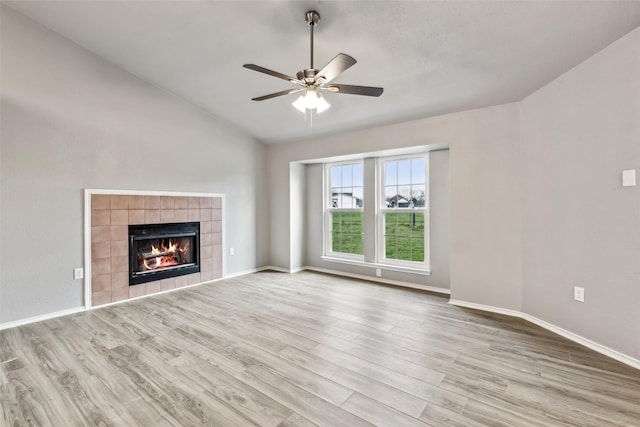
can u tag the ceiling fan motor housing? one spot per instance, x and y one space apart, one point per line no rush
308 75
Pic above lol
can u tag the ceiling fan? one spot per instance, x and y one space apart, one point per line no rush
312 81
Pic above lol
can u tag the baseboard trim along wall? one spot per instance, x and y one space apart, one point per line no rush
41 317
379 280
620 357
245 272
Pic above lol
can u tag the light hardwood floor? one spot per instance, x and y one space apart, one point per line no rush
273 349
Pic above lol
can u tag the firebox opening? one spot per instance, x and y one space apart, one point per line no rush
161 251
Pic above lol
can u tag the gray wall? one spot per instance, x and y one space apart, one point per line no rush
537 205
484 190
439 226
298 205
581 227
439 219
71 121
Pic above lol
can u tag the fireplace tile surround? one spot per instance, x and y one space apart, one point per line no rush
111 215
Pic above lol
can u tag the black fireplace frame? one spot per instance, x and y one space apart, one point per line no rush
162 231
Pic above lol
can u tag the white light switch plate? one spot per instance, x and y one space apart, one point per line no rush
78 273
629 178
578 294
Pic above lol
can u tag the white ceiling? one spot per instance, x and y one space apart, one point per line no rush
431 57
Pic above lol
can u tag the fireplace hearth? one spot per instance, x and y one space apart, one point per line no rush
161 251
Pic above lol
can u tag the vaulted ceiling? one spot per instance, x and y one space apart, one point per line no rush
431 57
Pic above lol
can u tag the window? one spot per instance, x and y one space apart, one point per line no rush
402 214
345 213
393 230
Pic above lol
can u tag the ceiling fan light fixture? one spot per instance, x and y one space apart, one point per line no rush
311 100
299 104
322 104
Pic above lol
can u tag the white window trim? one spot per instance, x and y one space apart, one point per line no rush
381 210
421 268
389 267
328 210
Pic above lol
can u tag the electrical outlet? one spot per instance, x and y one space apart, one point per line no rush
378 272
78 273
578 294
232 251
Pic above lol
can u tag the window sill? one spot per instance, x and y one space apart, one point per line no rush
419 271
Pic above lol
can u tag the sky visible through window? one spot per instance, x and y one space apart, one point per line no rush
404 183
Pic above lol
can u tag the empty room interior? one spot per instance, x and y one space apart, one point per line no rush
319 213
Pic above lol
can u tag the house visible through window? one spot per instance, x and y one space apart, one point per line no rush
403 211
400 212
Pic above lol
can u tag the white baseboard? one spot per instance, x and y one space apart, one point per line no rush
614 354
489 308
380 280
41 317
245 272
278 269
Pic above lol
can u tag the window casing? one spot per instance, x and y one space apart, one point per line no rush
398 216
344 213
402 214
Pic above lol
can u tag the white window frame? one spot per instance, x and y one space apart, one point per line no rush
329 210
381 210
377 258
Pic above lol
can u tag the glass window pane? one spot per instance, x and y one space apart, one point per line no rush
358 196
346 198
404 172
357 219
404 249
357 175
404 224
417 250
336 221
418 196
403 198
347 175
347 234
390 224
357 244
336 242
418 171
390 173
335 191
336 176
390 247
417 225
389 196
404 236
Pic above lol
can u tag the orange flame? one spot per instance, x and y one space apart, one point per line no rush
166 256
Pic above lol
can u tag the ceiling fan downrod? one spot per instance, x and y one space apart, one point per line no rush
312 18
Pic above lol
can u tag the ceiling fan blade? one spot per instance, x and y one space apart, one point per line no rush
355 90
271 73
335 67
273 95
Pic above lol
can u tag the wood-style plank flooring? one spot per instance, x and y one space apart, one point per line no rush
306 349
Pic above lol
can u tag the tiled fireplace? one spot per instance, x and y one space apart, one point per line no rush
111 262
